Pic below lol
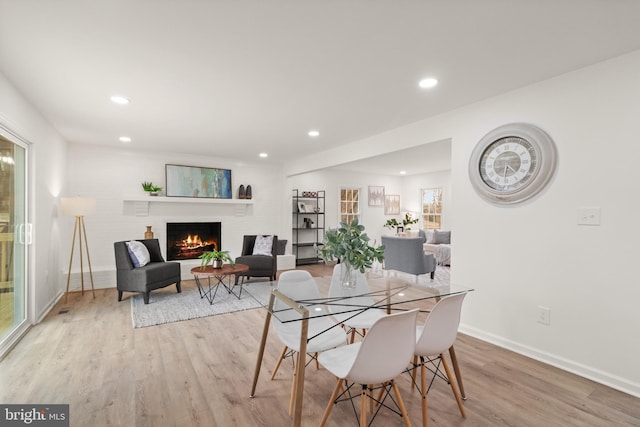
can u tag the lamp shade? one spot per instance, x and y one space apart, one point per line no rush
77 206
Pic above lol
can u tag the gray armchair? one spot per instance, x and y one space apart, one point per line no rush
407 255
157 274
259 265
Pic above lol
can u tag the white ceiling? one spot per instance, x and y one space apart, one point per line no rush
234 78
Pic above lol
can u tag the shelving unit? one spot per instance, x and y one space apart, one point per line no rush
308 211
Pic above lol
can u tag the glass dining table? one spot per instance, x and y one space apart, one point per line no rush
384 291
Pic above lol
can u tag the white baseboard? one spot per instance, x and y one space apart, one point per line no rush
605 378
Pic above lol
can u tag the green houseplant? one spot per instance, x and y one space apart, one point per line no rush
151 188
216 258
408 220
350 244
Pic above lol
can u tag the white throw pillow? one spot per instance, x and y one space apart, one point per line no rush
430 236
139 253
263 245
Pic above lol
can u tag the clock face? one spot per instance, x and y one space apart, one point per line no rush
512 163
508 163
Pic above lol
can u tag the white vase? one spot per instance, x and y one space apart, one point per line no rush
217 263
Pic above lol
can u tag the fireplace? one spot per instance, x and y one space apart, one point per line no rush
188 240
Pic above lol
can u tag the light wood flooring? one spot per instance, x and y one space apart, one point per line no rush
199 372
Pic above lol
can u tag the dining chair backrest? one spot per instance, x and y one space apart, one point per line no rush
355 296
441 327
297 285
386 349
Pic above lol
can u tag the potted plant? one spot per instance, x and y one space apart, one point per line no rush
350 245
391 224
408 220
151 188
216 258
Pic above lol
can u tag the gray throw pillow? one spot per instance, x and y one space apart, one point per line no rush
282 245
442 237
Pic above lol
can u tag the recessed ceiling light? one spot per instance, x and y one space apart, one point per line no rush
428 83
264 155
118 99
125 139
403 172
314 133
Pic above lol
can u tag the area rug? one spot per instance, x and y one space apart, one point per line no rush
169 306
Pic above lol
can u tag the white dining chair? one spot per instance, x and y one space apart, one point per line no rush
381 356
434 338
323 333
352 306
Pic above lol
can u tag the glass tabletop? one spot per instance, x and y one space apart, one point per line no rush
376 292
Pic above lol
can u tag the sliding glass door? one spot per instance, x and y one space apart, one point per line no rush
14 236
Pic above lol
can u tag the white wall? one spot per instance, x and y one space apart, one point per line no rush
332 181
412 187
113 174
373 218
534 254
46 176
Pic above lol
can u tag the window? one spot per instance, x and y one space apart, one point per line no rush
349 204
432 209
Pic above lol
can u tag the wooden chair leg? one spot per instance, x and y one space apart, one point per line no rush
456 369
334 395
317 363
423 385
413 371
454 388
293 385
403 409
363 406
275 370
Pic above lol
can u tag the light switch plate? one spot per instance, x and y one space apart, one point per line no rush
588 216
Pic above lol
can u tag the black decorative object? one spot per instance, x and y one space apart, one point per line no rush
248 194
241 192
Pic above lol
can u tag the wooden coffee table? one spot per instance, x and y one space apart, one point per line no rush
219 274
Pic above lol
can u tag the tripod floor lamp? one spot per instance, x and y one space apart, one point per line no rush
79 207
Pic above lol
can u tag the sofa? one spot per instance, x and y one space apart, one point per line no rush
438 243
156 273
260 264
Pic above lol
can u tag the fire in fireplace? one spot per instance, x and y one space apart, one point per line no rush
188 240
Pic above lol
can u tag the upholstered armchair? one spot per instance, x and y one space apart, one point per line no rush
407 255
157 273
260 265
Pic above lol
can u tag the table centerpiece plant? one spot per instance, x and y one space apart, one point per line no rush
216 258
350 245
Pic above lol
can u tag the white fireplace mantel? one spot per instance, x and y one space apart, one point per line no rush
142 203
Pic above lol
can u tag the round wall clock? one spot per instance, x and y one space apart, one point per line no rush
512 163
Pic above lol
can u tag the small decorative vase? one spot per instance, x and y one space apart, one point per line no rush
347 275
148 234
217 263
241 192
248 194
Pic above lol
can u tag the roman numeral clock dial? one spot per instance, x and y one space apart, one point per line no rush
512 163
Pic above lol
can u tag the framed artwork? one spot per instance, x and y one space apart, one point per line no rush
376 195
194 181
392 204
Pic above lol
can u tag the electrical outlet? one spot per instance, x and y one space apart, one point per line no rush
544 315
588 216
